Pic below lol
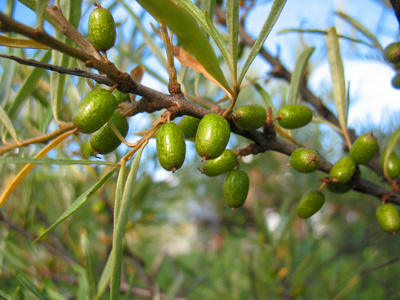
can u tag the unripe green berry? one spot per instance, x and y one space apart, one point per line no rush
220 165
171 147
294 116
310 203
388 218
236 188
94 110
396 81
249 117
212 136
392 52
120 96
339 188
393 165
305 160
364 148
104 140
189 126
342 170
102 32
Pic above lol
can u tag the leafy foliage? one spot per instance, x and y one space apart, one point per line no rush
79 226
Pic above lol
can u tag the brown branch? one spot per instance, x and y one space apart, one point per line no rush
124 80
99 78
396 8
40 139
393 260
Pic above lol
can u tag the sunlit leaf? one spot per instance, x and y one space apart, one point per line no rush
276 9
297 76
8 124
78 202
357 25
52 161
232 25
338 81
21 43
324 32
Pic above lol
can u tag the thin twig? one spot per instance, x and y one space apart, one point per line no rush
39 139
99 78
393 260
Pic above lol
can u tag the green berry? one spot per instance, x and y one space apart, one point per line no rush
294 116
102 32
396 81
393 165
212 136
94 111
236 188
310 203
104 140
339 188
388 218
120 96
343 170
171 147
249 117
189 126
392 52
364 148
305 160
220 165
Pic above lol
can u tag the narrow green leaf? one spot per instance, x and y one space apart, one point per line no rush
119 229
52 161
220 42
338 80
206 23
297 75
276 9
266 96
78 202
106 275
357 25
90 267
154 48
30 286
176 285
40 9
208 6
119 192
232 25
389 149
30 82
324 32
8 124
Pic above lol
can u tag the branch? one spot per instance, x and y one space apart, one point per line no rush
39 139
102 79
279 71
396 8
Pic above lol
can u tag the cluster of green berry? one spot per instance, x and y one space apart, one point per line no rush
98 109
392 55
97 115
361 153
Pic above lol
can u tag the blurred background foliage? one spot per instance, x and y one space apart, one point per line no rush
182 241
